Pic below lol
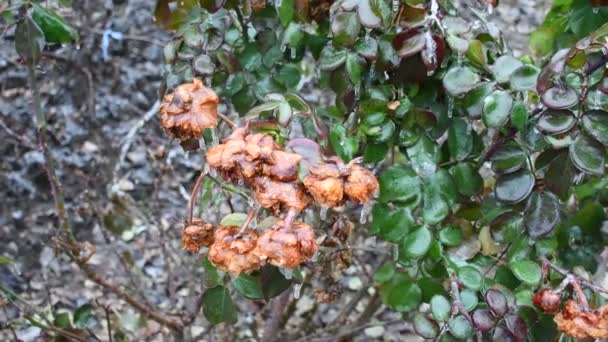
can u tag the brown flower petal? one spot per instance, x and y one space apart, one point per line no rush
283 166
582 324
360 184
325 184
547 300
280 195
189 110
260 146
235 254
287 246
197 234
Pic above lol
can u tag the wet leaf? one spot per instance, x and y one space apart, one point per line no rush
497 302
588 155
460 327
554 121
468 179
519 115
542 214
391 225
412 45
477 53
439 194
527 271
469 299
416 244
367 16
344 145
497 108
83 316
474 100
524 78
470 277
460 80
440 308
424 155
514 187
460 139
400 183
559 98
401 293
560 175
353 67
331 58
508 158
286 10
483 320
385 273
249 286
218 306
595 123
425 327
345 27
504 67
450 236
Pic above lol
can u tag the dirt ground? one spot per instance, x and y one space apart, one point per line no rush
130 209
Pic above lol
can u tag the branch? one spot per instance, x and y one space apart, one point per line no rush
276 316
566 273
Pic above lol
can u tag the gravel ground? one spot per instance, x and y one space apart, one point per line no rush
92 103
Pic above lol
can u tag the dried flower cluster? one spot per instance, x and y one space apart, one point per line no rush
187 111
578 323
331 183
197 234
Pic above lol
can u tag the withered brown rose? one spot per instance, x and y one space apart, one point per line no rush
572 320
325 184
287 246
547 300
234 253
196 235
188 110
360 183
280 195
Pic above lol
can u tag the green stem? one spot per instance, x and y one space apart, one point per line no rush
43 143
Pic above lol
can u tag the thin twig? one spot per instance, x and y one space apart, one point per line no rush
227 120
19 138
128 140
193 194
565 272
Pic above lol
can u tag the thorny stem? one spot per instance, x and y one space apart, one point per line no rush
193 194
43 143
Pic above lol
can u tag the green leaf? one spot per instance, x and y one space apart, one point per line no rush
450 236
508 158
385 273
345 28
286 10
29 40
460 139
439 193
218 306
477 53
460 327
542 214
424 155
469 299
554 121
519 115
470 277
289 75
595 122
54 27
497 108
250 59
249 286
468 179
353 67
584 19
460 80
400 183
401 293
344 144
62 320
233 219
416 244
440 308
331 58
391 224
5 261
527 271
83 315
504 67
273 282
524 78
514 187
473 101
425 327
588 155
211 277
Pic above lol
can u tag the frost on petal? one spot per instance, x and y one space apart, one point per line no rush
360 184
234 253
287 246
188 110
280 195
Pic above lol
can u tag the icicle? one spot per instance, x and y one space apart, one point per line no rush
296 291
283 47
214 139
293 52
323 213
357 92
365 211
490 9
596 10
450 106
